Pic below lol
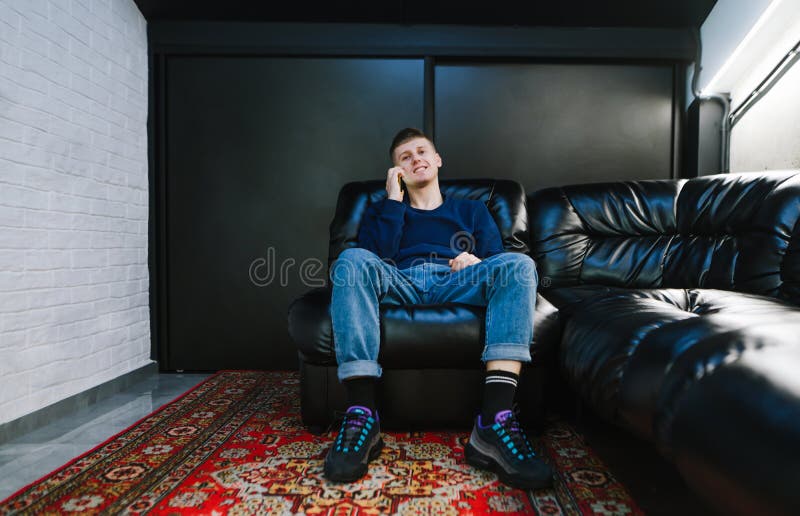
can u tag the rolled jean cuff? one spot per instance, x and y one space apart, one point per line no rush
358 368
518 352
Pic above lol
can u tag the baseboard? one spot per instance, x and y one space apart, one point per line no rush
29 422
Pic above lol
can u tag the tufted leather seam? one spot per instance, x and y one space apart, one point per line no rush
734 263
588 246
663 263
691 297
794 232
675 202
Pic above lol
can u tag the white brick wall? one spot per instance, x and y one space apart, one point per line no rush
73 198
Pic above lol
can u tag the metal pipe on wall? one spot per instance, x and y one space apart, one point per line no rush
724 100
778 71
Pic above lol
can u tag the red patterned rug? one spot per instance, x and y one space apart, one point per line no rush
235 445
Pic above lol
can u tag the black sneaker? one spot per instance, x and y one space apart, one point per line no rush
503 447
358 443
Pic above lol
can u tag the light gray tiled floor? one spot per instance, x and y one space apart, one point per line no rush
31 456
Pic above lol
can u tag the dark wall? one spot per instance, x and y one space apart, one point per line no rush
257 151
553 124
253 132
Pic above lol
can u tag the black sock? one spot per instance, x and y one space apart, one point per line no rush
498 393
361 391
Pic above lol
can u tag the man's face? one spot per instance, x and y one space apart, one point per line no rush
419 161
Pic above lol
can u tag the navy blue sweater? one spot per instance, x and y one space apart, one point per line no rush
409 236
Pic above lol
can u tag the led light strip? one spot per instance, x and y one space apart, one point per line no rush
709 88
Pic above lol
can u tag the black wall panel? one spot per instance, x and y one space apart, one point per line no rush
704 137
256 150
547 124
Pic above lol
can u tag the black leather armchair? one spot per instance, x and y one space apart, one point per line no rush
422 384
679 305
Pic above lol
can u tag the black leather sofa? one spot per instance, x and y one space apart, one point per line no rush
678 303
672 309
422 384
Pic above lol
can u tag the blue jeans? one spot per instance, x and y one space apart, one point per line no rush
504 283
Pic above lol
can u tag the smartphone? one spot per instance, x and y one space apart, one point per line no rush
401 183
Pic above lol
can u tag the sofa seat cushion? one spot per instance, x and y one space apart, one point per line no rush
748 406
413 337
620 347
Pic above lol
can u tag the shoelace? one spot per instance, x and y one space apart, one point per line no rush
512 435
353 431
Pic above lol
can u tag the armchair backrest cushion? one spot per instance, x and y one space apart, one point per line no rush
505 200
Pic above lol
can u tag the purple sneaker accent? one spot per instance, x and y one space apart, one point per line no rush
480 422
362 413
498 418
359 408
502 416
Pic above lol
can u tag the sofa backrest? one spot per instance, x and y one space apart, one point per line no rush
505 200
729 231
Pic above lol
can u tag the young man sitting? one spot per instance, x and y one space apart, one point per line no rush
412 252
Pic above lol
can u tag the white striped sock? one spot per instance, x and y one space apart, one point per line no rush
502 379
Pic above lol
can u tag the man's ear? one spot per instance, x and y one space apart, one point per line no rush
438 160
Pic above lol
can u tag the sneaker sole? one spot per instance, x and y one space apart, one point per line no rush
374 453
478 460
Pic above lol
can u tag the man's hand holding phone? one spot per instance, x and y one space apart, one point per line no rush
393 178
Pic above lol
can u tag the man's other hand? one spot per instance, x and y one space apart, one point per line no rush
462 261
393 184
